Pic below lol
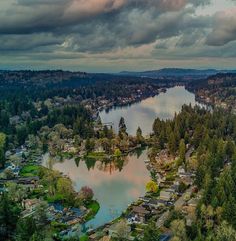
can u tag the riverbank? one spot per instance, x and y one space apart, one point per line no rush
143 114
64 207
153 205
107 177
109 104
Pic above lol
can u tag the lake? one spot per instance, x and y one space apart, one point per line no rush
117 185
143 114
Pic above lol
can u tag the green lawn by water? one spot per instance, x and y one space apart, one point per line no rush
29 171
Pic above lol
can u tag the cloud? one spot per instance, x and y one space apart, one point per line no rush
224 28
91 25
113 30
13 43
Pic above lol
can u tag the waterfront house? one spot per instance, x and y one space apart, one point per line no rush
133 219
157 203
15 120
145 199
165 195
30 204
141 212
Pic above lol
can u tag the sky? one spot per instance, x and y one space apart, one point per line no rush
116 35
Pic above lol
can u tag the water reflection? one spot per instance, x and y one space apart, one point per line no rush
116 183
143 113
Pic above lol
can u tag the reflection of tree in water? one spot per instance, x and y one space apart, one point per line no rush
77 161
90 162
50 161
137 152
112 165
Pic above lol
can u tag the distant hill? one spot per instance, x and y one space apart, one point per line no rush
176 72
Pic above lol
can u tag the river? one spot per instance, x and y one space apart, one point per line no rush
143 114
116 186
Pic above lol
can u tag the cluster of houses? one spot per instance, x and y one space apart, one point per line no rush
171 195
158 207
30 206
19 119
13 169
16 159
68 216
151 206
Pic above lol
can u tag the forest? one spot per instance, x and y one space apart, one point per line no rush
213 135
60 117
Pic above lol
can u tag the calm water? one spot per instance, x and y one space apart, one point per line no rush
115 185
144 113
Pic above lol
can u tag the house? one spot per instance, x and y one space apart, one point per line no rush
2 190
133 219
114 231
181 170
144 199
10 166
28 180
165 195
165 237
161 220
25 115
190 218
56 207
175 188
30 204
105 238
156 203
182 173
8 154
93 237
187 180
99 148
141 212
16 171
15 120
193 202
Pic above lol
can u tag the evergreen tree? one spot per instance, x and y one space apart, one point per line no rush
122 127
2 149
151 233
182 151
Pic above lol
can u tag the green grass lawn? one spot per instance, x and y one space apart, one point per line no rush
84 238
29 171
94 208
55 198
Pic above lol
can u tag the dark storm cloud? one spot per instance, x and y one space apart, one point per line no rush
92 25
28 42
30 16
70 29
133 28
224 28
